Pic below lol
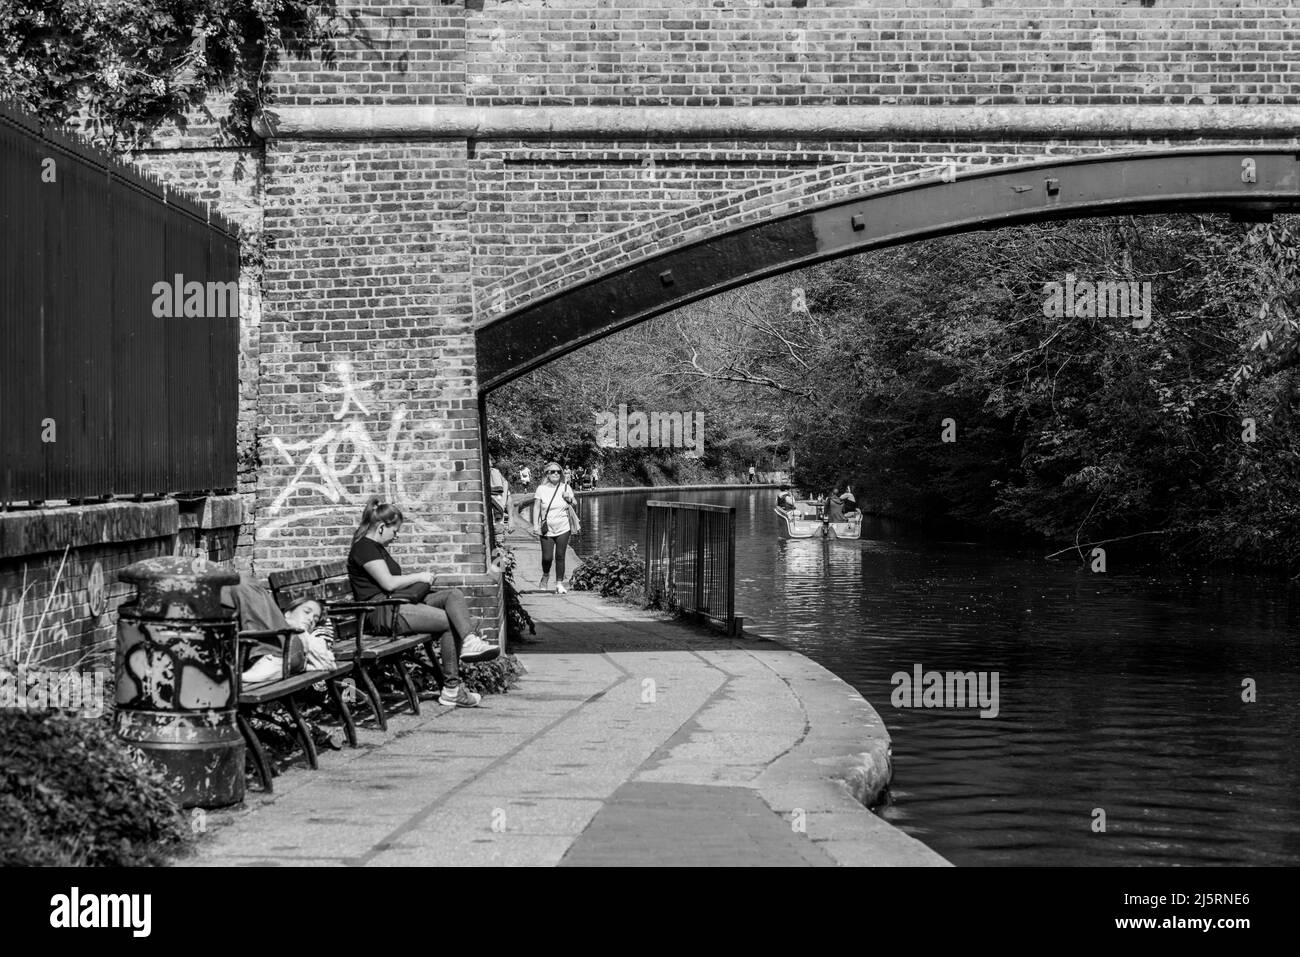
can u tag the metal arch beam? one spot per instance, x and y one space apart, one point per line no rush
1253 181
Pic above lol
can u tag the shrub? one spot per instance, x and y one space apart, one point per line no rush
72 794
517 617
611 574
491 677
662 600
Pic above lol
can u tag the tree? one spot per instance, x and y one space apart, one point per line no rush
125 67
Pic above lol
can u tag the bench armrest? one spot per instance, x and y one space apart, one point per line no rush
269 633
358 610
361 609
249 638
351 606
243 643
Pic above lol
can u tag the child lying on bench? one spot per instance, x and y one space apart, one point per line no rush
315 642
310 650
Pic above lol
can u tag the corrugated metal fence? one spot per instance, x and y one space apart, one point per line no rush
690 558
99 395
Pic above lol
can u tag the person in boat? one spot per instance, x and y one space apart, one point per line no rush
834 507
785 498
850 504
844 505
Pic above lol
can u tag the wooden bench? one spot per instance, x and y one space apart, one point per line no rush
285 690
329 584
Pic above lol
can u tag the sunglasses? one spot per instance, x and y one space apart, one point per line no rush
552 471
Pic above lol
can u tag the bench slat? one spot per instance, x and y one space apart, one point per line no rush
295 576
329 591
271 690
381 647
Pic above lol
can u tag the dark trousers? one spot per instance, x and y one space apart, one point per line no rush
554 548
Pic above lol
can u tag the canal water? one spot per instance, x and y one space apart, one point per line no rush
1119 694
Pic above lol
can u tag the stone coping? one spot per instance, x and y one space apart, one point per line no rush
42 530
452 121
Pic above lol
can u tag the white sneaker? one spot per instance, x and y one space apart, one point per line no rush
560 589
474 648
459 697
265 668
545 583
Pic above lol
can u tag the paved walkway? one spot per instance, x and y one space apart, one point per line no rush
630 741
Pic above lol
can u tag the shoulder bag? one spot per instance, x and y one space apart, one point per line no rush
574 522
384 619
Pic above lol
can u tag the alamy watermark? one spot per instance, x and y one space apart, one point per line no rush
129 911
178 299
1116 299
953 689
655 430
26 688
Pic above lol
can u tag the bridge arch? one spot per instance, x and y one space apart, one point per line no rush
684 256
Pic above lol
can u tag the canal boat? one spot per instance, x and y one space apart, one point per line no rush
797 525
846 530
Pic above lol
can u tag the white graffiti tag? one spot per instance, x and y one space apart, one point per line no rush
341 468
348 390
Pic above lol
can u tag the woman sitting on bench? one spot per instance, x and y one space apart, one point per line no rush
375 574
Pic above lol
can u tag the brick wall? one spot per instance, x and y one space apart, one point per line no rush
367 381
754 52
548 219
59 592
389 53
45 611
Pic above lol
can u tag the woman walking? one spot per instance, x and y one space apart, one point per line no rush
551 503
375 574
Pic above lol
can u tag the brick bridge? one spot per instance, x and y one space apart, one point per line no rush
473 188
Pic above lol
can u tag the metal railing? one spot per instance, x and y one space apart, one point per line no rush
103 391
690 559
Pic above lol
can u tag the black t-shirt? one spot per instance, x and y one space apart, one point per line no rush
365 588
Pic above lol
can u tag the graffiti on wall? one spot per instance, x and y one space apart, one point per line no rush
359 455
31 628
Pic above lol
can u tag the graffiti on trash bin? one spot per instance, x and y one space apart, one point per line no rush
166 667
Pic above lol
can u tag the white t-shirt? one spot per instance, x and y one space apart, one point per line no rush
551 503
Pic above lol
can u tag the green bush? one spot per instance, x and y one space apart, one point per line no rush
611 574
663 600
517 617
491 677
71 794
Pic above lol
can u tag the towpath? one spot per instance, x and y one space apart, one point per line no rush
631 740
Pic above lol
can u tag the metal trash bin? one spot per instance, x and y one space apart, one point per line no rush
177 684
